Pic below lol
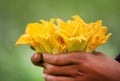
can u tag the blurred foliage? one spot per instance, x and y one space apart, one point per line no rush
15 64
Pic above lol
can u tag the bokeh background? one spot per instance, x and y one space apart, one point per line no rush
15 64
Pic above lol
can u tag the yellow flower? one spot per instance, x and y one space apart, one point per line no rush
73 35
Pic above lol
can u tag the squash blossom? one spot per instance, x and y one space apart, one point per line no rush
72 35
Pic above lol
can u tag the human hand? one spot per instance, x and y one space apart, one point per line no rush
80 66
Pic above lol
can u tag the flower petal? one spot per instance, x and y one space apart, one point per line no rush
24 39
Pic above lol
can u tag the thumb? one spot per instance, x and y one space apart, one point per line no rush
37 59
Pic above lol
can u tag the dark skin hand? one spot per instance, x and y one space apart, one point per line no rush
77 66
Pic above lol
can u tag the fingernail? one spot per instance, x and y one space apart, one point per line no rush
37 57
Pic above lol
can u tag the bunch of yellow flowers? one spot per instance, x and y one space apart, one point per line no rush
72 35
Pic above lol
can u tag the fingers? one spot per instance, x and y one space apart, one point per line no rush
64 58
57 78
37 59
68 70
59 59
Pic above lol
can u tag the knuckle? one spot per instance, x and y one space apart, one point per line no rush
50 78
80 58
49 68
56 60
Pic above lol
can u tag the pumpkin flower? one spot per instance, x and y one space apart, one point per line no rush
72 35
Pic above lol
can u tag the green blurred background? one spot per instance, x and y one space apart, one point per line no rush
15 64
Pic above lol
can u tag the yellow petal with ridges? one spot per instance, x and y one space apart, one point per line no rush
33 29
24 39
56 36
